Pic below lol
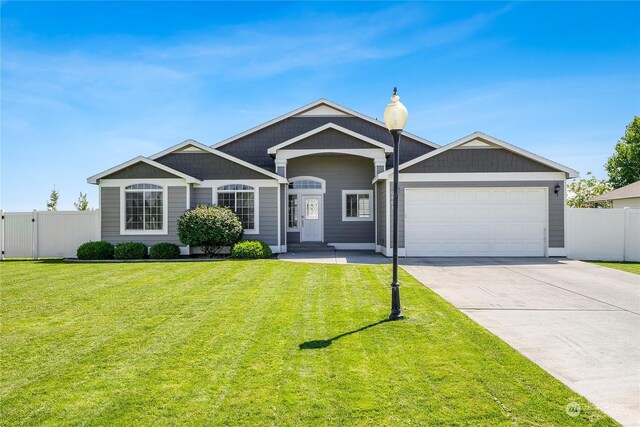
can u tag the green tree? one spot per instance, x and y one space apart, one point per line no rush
623 166
52 204
581 190
82 204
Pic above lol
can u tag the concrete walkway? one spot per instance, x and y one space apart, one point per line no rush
578 321
336 257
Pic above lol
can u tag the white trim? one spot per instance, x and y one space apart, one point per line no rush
388 213
220 154
571 172
94 179
481 176
560 252
283 249
276 249
353 246
165 210
323 111
385 147
311 106
256 201
371 153
279 218
344 205
184 250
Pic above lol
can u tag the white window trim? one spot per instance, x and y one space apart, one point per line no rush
344 205
165 207
256 201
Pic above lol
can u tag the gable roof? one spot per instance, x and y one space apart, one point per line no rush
492 141
206 148
94 179
320 102
385 147
627 192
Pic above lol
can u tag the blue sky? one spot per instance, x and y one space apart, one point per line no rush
88 85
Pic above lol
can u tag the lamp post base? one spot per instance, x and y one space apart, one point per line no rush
396 311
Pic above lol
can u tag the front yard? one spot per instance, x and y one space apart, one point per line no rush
629 267
254 343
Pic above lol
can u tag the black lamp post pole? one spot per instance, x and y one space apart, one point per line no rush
396 312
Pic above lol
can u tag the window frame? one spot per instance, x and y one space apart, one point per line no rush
123 207
345 193
256 202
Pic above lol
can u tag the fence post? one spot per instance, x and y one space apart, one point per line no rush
34 233
2 234
624 230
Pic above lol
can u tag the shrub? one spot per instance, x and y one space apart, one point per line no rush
130 250
95 250
251 249
164 251
210 228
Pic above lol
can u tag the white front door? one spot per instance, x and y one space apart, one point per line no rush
311 219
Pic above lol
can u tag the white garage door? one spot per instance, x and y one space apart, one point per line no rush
475 221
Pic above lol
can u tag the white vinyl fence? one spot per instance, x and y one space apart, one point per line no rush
603 234
43 234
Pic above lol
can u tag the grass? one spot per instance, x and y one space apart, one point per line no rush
255 343
629 267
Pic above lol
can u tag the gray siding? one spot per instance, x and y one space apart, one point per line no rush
329 139
110 217
209 166
478 160
253 147
341 172
556 204
381 211
268 228
201 196
140 170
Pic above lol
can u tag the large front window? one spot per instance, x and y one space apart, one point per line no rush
143 207
240 199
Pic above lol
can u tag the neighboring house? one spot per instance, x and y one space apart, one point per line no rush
322 173
623 197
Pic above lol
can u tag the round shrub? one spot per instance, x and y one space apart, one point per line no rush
130 250
95 250
251 249
210 228
164 251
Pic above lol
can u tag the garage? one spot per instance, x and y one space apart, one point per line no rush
492 221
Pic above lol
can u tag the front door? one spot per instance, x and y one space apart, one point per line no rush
311 219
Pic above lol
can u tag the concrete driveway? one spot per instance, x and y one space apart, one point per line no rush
578 321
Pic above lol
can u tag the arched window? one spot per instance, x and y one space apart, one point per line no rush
143 207
239 198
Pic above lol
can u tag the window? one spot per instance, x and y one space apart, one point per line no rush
239 198
143 208
305 184
356 205
293 211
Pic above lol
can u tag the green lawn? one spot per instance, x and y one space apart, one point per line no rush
254 343
629 267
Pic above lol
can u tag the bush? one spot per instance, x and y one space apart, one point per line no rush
130 250
251 249
210 228
95 250
164 251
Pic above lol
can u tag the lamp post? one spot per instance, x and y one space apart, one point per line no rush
395 117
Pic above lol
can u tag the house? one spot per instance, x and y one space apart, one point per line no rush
623 197
322 174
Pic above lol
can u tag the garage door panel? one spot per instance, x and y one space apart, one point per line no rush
475 222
